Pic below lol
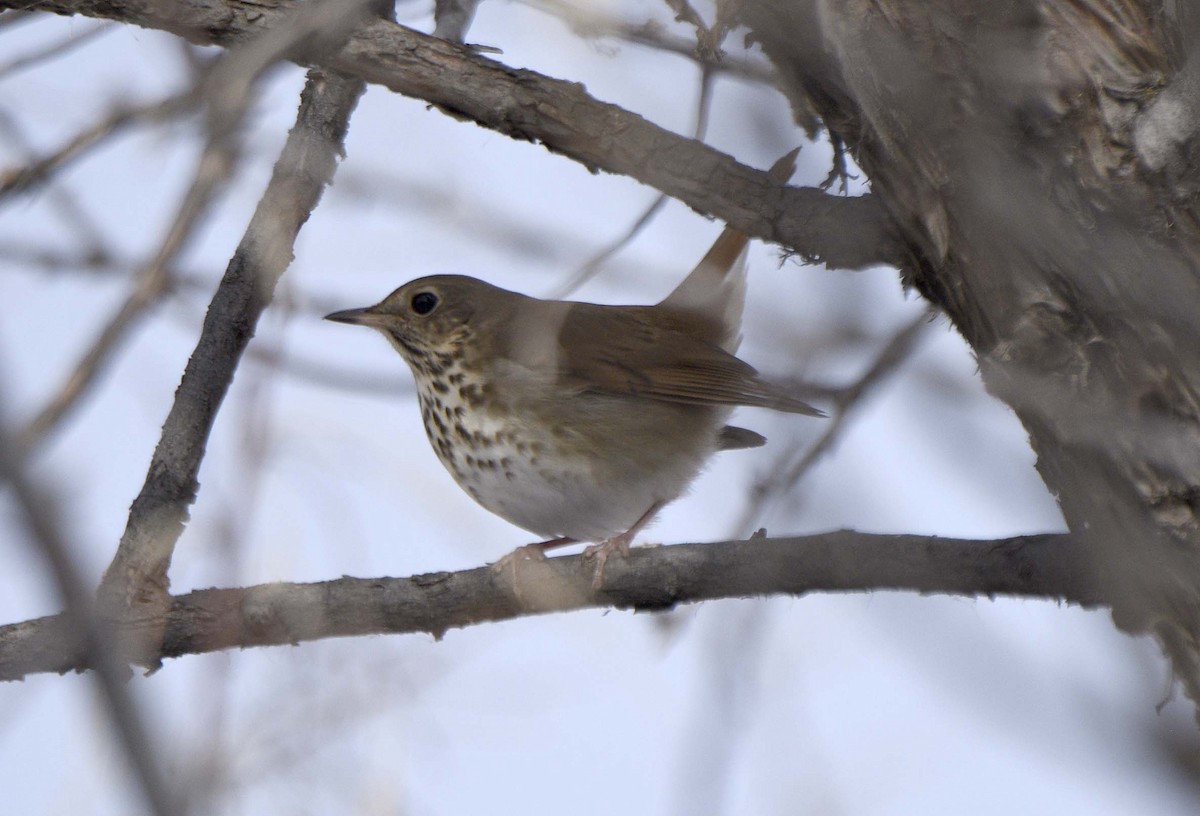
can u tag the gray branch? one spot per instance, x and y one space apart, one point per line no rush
842 232
1045 567
138 573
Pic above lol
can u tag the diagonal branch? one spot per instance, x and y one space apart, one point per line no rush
792 465
593 265
227 93
138 573
91 636
841 232
40 168
46 53
1047 566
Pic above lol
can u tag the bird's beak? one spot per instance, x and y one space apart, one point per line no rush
358 317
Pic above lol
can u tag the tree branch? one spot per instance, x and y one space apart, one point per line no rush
841 232
138 573
1048 566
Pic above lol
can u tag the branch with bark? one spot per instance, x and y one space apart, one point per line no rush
1046 567
1013 200
841 232
1034 225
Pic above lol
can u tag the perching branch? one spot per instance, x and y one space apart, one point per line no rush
841 232
1047 566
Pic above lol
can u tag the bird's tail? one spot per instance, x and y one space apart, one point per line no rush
716 288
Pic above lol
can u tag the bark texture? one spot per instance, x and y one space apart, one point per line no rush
1001 138
650 579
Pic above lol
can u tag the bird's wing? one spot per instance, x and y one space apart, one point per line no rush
643 352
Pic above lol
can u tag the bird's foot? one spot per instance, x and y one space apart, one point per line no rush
530 552
601 552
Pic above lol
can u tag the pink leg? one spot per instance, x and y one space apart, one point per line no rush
535 551
618 543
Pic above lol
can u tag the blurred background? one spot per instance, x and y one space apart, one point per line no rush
877 703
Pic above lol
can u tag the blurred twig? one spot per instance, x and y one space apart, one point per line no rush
842 232
226 92
792 466
208 770
452 18
590 23
212 170
594 264
57 49
389 384
40 168
85 634
81 227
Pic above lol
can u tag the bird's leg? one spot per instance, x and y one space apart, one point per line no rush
535 551
618 543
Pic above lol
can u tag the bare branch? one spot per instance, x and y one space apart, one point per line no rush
138 573
82 229
792 467
1046 567
841 232
152 282
226 91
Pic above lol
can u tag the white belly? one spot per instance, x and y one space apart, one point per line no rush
551 484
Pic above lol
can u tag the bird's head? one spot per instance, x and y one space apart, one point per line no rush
430 317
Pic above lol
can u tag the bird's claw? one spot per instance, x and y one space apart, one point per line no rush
601 552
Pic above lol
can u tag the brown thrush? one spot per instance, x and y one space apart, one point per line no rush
578 421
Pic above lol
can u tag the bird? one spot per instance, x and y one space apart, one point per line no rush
578 421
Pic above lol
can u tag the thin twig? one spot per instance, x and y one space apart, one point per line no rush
845 233
587 22
85 633
82 229
226 91
593 265
67 44
212 170
39 169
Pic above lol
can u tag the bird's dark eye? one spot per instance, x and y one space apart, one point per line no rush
424 302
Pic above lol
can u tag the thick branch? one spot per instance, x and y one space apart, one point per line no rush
1046 566
841 232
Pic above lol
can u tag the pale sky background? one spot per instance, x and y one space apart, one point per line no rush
830 704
